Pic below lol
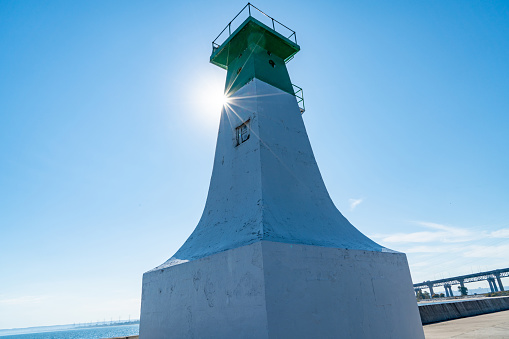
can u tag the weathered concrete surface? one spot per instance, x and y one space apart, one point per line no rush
493 325
219 296
269 187
279 290
454 310
272 257
320 292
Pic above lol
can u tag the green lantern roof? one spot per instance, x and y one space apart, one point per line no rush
252 31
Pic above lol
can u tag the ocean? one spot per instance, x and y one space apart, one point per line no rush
76 333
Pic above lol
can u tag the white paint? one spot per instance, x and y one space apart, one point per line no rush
219 296
272 257
269 187
278 290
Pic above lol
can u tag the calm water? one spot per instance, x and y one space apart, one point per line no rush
82 333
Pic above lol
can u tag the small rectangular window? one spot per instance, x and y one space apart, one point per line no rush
242 132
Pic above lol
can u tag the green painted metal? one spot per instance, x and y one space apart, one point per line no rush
256 62
252 31
251 13
255 50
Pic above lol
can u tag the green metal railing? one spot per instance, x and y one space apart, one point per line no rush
299 94
221 37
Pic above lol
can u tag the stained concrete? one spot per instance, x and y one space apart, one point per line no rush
493 325
278 290
219 296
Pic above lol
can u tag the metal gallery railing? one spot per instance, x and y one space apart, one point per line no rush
299 94
221 38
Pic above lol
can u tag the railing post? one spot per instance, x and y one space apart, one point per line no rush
249 8
273 27
230 28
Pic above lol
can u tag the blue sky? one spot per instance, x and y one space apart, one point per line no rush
109 113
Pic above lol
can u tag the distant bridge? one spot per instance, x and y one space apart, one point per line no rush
493 277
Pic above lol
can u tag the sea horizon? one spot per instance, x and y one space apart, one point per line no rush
67 327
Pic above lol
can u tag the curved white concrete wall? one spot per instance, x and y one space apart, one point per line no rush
272 257
269 187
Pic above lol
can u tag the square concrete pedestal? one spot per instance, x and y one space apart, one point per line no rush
279 290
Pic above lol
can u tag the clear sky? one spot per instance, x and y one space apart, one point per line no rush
109 113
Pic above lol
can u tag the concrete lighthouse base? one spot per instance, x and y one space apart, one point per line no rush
280 290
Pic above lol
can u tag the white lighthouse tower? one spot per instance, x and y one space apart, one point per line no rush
272 257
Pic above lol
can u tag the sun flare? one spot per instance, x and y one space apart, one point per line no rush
212 99
206 100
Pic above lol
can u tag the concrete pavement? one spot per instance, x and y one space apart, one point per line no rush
493 325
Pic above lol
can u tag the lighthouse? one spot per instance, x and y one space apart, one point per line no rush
271 256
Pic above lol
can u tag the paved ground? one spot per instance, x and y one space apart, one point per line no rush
493 325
